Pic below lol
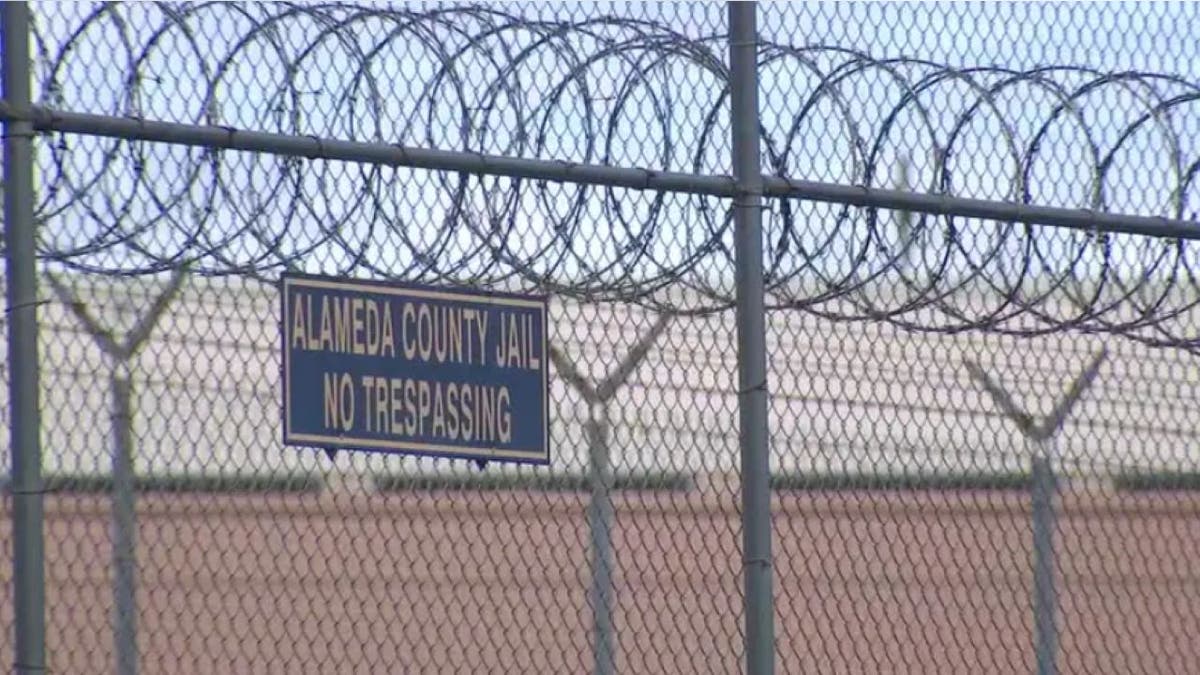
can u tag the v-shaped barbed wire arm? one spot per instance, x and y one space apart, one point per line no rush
1024 421
1058 415
123 474
103 337
1041 437
600 514
106 340
571 374
137 337
617 378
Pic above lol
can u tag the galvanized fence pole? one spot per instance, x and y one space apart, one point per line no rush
1040 438
600 522
1045 596
124 522
600 511
124 478
29 580
751 336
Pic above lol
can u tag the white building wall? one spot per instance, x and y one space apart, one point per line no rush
847 397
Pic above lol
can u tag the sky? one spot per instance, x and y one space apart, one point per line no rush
630 84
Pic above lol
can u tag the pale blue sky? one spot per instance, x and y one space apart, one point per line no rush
663 122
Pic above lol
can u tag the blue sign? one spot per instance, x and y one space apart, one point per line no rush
413 369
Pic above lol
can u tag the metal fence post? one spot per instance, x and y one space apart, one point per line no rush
124 522
600 521
124 497
29 579
1040 439
751 336
1045 597
600 512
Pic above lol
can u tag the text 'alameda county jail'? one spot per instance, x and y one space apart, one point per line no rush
419 370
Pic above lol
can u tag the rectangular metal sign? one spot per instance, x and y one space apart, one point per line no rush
401 368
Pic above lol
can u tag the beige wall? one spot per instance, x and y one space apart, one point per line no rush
847 396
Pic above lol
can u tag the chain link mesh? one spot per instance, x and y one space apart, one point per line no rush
918 364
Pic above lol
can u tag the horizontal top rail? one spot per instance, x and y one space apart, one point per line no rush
47 119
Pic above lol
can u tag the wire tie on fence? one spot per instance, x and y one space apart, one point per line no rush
24 305
24 493
13 114
320 153
230 135
765 562
22 134
761 386
26 668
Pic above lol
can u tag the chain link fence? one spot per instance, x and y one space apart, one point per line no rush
980 326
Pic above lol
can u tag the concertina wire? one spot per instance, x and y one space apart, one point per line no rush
129 208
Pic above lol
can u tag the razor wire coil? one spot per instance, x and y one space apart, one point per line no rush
119 207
